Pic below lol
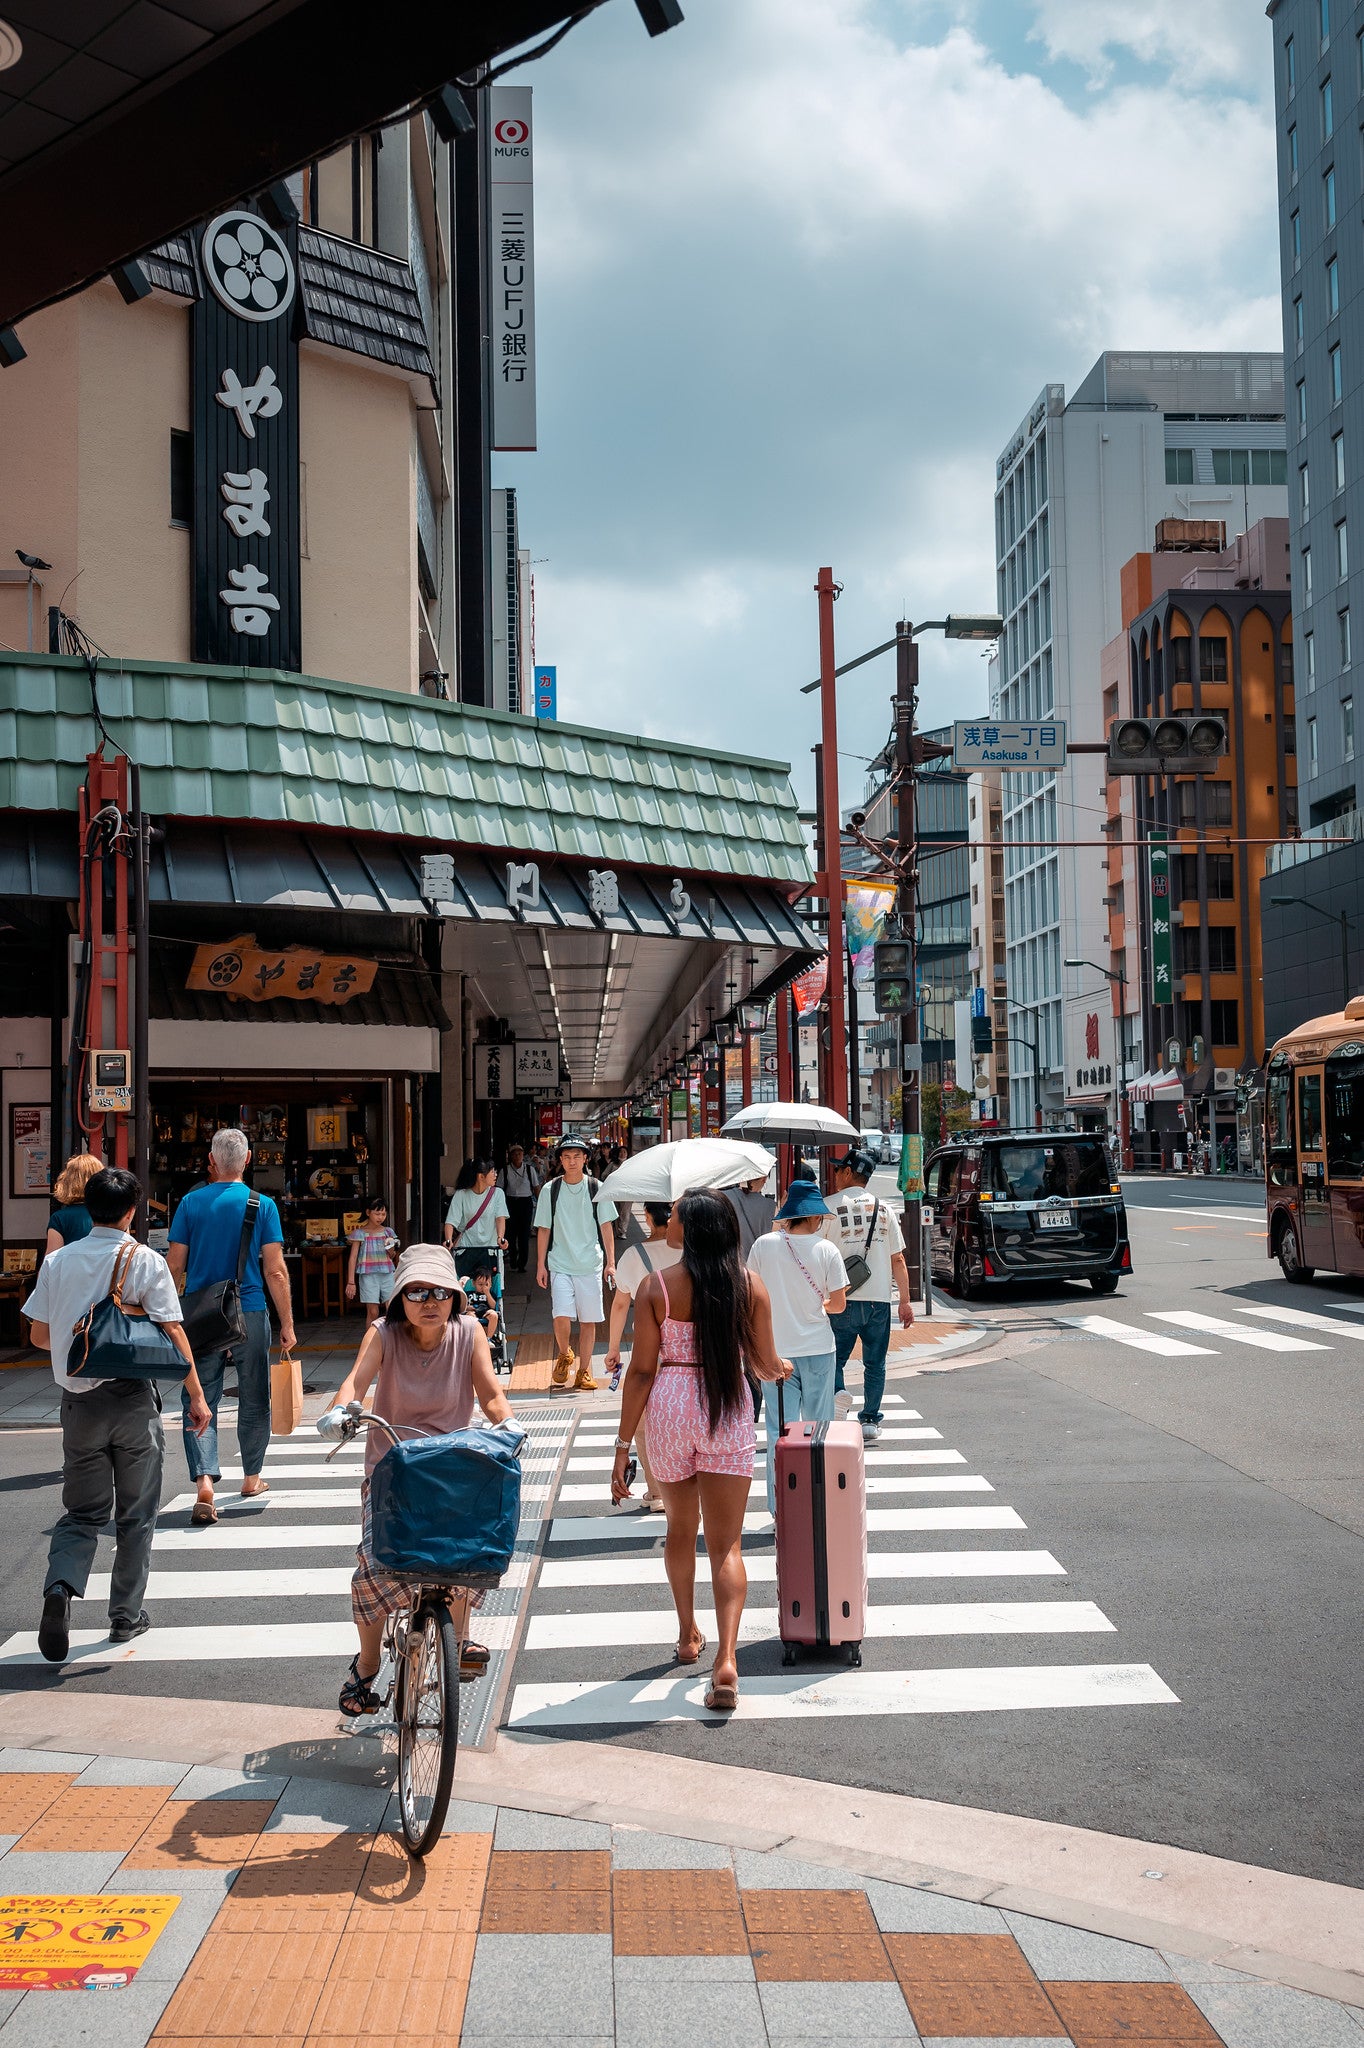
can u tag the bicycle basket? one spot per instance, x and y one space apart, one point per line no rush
445 1508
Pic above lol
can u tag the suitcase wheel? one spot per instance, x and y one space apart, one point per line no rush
788 1655
855 1653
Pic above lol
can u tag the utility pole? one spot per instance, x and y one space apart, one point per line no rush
907 833
836 1069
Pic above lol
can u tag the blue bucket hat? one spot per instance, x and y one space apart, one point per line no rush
802 1199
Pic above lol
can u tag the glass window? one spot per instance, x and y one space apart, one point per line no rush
1232 466
1325 22
1279 1125
1226 1024
1179 659
1179 466
1329 195
1293 154
1335 374
1069 1166
1302 408
1216 802
1338 460
1309 1112
1212 658
1328 116
1290 69
1221 878
1345 1117
1295 238
1343 619
1332 288
1304 492
1221 949
181 478
1311 746
1309 650
1297 328
1347 726
1307 573
1342 552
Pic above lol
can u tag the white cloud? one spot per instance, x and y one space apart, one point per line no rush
1224 41
799 281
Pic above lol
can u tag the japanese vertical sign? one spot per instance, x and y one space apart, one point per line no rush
1162 938
246 480
511 262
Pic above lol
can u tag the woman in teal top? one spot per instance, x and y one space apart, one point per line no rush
70 1220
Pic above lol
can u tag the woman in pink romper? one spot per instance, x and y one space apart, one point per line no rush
696 1327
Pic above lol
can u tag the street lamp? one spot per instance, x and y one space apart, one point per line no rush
1347 925
1116 975
910 754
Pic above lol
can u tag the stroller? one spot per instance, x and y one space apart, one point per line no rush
469 1265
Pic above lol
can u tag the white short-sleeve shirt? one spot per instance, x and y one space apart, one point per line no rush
74 1278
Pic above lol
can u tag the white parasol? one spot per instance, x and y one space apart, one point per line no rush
791 1123
663 1172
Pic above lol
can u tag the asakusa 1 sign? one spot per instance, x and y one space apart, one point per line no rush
995 743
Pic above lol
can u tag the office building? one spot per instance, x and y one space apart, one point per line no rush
1080 487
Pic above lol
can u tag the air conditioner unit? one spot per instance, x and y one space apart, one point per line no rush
1224 1079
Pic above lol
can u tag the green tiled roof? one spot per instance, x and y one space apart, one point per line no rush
258 744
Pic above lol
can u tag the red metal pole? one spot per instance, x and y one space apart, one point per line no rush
836 1094
786 1082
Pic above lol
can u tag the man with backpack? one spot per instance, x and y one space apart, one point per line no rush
869 1237
576 1248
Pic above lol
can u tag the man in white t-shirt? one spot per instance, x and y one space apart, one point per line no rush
863 1227
575 1248
805 1276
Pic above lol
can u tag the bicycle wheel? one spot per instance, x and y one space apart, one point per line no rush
428 1731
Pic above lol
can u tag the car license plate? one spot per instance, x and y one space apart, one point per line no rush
1054 1219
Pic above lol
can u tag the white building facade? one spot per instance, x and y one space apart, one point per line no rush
1079 489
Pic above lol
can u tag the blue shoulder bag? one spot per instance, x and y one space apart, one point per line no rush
114 1342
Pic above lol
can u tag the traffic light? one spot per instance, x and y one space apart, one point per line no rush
1166 746
982 1035
894 988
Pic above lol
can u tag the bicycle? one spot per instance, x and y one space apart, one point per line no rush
424 1651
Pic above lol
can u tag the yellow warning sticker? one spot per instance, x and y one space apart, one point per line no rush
55 1943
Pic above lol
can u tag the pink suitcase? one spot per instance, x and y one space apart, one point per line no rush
821 1536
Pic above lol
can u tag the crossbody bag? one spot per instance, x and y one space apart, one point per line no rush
809 1277
213 1316
477 1213
117 1340
859 1265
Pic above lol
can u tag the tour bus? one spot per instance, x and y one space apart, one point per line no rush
1314 1146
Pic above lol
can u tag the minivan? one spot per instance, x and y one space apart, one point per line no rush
1025 1205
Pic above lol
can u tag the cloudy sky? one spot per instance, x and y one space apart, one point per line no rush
803 265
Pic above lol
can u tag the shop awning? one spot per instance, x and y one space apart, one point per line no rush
1160 1086
251 869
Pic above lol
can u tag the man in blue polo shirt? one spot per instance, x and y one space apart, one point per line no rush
205 1234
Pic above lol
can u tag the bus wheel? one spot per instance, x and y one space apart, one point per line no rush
1286 1247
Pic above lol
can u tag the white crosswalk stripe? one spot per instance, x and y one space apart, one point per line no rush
1303 1318
1140 1340
1222 1326
594 1662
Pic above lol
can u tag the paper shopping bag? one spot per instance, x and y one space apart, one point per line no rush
286 1395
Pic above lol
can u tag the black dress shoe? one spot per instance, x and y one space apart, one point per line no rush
54 1630
123 1631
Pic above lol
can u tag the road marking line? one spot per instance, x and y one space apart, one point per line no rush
1308 1319
273 1584
273 1472
264 1535
1140 1340
558 1573
649 1528
221 1642
617 1630
797 1696
871 1457
948 1482
1239 1333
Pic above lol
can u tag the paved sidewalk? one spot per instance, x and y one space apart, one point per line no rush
301 1920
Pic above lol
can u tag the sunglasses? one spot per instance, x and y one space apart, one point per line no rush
420 1294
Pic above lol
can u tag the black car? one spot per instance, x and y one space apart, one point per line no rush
1025 1205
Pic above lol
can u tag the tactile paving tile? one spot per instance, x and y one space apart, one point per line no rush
543 1870
977 2010
449 1879
679 1934
392 1986
512 1911
307 1870
248 1987
96 1817
24 1795
822 1959
801 1912
675 1891
190 1834
1129 2012
960 1959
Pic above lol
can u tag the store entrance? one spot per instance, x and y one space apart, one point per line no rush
320 1148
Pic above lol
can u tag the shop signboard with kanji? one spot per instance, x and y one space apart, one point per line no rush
244 377
260 974
1162 937
1020 745
537 1066
511 263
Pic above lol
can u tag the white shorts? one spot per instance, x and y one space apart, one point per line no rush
577 1296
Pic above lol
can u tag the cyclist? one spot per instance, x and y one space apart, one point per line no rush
428 1362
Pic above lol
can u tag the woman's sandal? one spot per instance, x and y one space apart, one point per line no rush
357 1694
697 1648
722 1699
202 1513
263 1487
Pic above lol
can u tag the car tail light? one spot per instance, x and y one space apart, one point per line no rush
1127 1258
985 1261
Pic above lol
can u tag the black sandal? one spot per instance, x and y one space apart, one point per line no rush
357 1694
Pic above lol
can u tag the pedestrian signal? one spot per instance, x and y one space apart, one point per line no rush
1166 746
894 985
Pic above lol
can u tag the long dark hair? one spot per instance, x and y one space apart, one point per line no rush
721 1305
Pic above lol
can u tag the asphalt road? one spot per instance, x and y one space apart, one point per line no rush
1206 1497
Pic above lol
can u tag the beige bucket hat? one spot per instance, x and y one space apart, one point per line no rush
424 1265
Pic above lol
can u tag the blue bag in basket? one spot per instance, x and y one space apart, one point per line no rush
444 1509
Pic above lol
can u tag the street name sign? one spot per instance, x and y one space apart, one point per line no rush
1020 746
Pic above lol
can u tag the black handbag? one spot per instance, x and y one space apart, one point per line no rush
213 1315
111 1342
858 1267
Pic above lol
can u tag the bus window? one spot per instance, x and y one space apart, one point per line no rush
1309 1112
1283 1171
1345 1118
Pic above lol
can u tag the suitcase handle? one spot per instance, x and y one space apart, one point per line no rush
781 1411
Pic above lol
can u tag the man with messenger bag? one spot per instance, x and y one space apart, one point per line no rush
106 1308
226 1248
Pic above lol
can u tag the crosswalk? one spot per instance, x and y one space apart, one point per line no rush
1244 1327
269 1583
600 1625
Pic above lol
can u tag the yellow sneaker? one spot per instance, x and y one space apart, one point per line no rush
563 1366
584 1383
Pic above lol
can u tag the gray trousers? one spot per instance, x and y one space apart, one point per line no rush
113 1449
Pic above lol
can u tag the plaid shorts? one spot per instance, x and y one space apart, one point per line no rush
374 1592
